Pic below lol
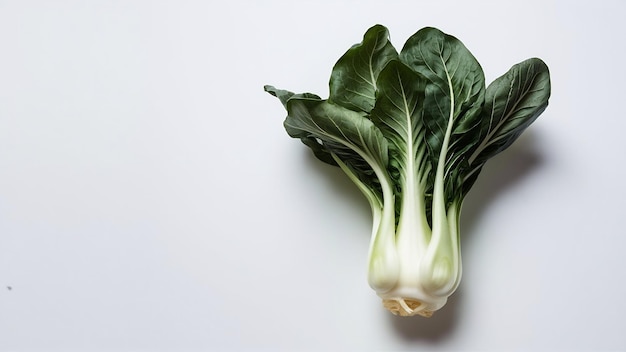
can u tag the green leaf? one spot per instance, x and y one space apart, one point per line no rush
330 129
285 95
512 102
318 150
354 76
399 114
453 99
398 111
281 94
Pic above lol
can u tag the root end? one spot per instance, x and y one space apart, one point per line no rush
407 307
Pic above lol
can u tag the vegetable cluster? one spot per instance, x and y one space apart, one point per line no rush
413 130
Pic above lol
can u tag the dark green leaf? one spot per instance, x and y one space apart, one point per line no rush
512 102
453 98
282 95
399 114
285 95
353 80
328 128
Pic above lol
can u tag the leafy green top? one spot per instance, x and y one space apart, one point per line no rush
420 120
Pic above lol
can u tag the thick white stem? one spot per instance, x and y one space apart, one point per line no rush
413 232
384 266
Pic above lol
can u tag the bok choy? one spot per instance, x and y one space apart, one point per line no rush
413 129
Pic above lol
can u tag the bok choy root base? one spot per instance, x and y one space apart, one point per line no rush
413 129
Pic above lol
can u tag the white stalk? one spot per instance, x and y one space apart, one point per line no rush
384 267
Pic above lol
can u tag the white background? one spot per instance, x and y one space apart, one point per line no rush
151 200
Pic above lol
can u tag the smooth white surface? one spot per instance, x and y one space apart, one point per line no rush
151 200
